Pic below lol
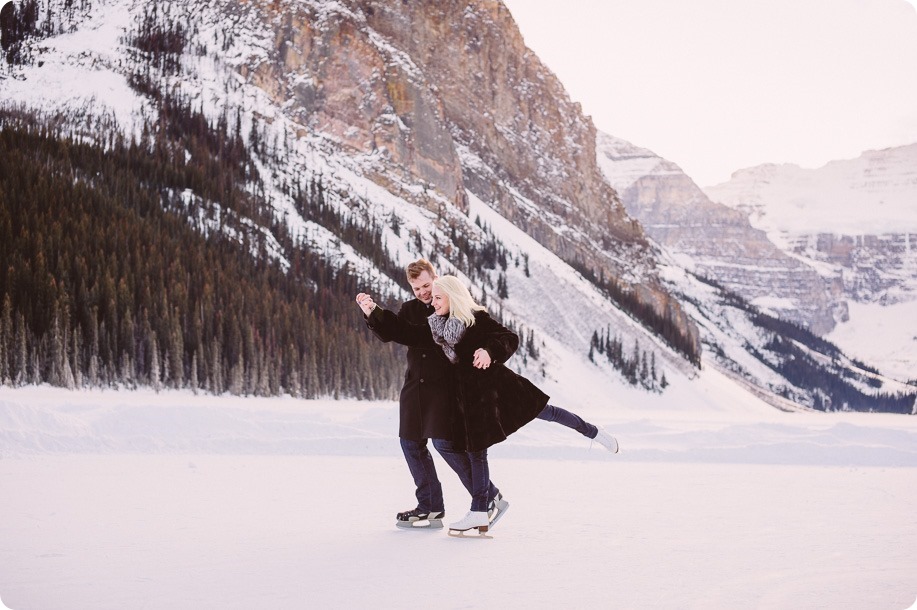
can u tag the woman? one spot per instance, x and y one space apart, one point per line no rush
492 401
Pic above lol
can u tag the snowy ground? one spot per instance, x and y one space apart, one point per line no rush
138 500
884 336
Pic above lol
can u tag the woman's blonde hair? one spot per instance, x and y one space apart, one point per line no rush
461 303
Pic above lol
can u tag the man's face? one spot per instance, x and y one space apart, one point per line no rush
422 286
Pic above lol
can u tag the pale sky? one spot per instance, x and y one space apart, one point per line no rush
720 85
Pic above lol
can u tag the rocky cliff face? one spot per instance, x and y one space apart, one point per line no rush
506 109
852 220
445 95
714 240
865 268
338 78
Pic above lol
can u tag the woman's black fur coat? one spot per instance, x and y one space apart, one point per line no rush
492 403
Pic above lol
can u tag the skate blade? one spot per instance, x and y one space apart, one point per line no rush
420 524
469 534
501 507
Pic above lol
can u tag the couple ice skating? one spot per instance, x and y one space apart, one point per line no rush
458 393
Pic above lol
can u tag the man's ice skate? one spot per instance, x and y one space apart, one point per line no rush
474 520
608 441
496 508
420 519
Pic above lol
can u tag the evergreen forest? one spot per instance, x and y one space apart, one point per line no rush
119 268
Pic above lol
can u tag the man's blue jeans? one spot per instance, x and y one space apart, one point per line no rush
420 463
429 489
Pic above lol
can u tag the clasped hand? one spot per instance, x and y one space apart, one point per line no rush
366 303
482 358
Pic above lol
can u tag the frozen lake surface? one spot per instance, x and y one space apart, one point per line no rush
134 500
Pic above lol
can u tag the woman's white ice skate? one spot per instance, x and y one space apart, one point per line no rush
608 441
474 520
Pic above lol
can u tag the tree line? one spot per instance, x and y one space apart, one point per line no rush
661 325
830 391
146 263
24 22
827 384
637 366
107 281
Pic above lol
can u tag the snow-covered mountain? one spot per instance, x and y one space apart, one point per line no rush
435 126
714 240
874 194
854 221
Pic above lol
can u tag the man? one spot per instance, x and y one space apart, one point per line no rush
425 407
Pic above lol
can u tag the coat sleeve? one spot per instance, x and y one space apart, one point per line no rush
376 323
388 326
500 342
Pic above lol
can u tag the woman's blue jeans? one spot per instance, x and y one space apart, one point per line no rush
469 472
472 467
571 420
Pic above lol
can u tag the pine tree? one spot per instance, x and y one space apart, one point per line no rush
311 379
194 380
36 353
502 289
20 372
237 378
6 340
93 370
530 345
77 349
155 368
57 376
176 352
216 368
263 387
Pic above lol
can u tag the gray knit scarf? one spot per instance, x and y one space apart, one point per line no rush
447 332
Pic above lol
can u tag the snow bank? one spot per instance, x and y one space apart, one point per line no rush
44 420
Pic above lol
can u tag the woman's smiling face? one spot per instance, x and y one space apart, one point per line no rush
440 301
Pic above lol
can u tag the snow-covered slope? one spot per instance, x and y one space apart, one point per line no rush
854 221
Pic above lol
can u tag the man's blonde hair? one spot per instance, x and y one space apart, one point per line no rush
419 266
461 303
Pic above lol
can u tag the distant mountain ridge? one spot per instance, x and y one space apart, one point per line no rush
717 241
873 194
854 221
